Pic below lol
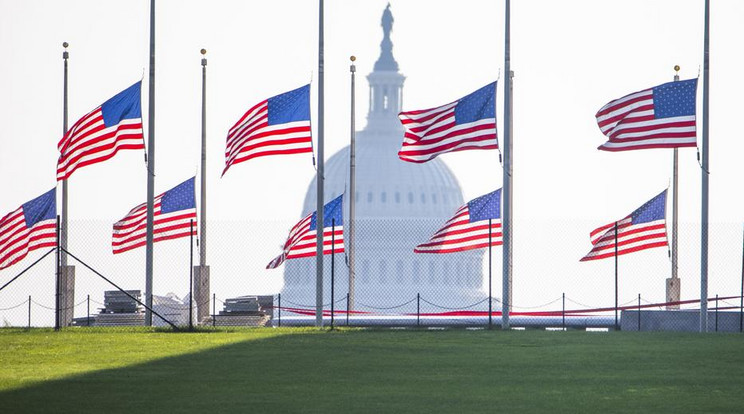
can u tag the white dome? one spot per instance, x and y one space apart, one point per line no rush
398 206
387 187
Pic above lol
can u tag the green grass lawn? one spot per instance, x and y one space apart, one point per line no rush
369 371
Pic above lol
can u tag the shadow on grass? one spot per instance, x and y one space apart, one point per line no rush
412 372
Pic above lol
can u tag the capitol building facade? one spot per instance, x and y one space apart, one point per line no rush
398 206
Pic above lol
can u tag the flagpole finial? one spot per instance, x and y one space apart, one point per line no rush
204 59
65 54
676 68
65 44
204 51
352 58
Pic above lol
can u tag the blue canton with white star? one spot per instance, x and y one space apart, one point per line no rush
485 207
40 208
477 105
654 209
290 106
124 105
180 197
675 99
332 214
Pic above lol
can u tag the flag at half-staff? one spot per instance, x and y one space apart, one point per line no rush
645 228
468 123
31 226
174 211
278 125
658 117
115 125
469 228
302 237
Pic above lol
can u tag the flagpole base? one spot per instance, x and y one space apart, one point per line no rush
202 295
673 289
66 295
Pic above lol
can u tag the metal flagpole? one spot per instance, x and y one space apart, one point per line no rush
66 273
705 169
741 299
673 285
201 289
319 178
63 234
616 325
506 222
150 172
352 189
203 218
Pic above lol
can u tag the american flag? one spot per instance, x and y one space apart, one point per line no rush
278 125
32 226
643 229
173 212
468 123
302 238
99 135
468 229
659 117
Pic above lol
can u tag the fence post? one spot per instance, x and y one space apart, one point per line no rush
490 309
639 312
280 310
563 312
58 275
716 312
29 311
418 309
214 310
89 311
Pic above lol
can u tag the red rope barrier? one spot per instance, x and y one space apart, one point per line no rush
467 313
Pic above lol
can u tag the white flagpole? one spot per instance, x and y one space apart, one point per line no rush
63 233
319 179
705 169
673 287
66 285
150 172
507 212
201 289
203 218
352 189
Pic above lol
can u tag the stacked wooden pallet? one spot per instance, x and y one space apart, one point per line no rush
116 301
120 309
240 311
120 319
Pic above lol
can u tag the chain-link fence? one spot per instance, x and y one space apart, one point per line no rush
390 285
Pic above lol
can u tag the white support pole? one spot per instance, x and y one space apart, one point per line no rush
320 180
63 234
203 207
507 211
705 170
352 189
673 287
150 173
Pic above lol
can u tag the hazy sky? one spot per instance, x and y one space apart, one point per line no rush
569 58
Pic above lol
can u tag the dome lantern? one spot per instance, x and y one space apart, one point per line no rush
385 84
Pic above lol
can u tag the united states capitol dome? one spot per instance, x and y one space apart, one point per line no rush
398 206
